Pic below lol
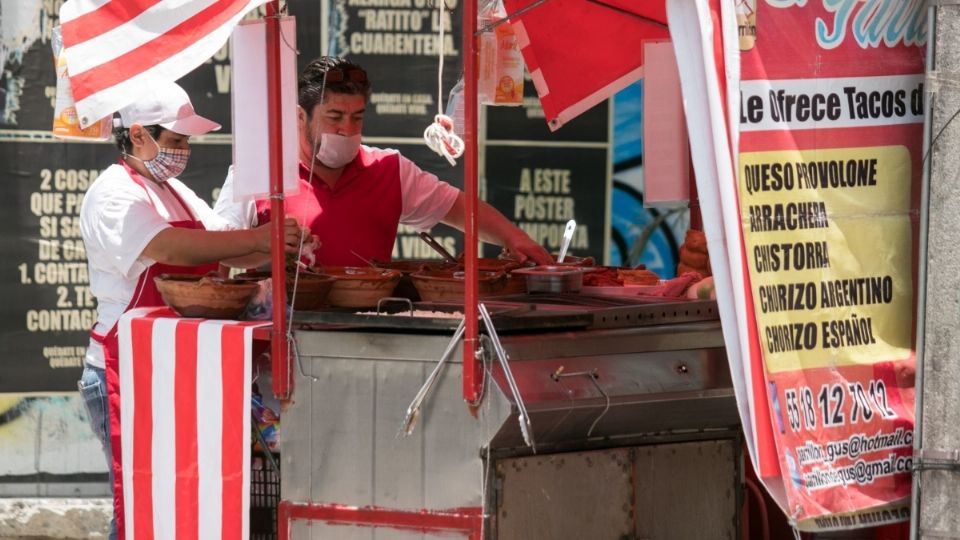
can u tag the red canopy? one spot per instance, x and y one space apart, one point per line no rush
580 52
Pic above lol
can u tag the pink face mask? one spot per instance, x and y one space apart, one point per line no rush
337 150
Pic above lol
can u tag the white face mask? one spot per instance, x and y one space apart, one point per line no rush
336 150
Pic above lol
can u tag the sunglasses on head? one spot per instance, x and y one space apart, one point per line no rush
335 75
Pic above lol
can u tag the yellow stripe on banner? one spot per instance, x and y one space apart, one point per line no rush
828 238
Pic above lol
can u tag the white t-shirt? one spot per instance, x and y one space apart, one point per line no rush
118 218
426 199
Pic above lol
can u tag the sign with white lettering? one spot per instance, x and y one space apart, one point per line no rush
398 43
540 189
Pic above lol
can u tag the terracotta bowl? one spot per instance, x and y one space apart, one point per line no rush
206 297
312 289
356 286
515 284
447 286
406 289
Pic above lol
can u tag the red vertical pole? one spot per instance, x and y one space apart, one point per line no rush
472 369
281 360
696 219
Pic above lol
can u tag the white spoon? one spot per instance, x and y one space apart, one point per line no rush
567 236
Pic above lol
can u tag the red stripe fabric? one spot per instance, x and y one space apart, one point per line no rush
234 411
155 51
105 18
185 411
183 516
143 429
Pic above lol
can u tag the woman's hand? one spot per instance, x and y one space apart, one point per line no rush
292 236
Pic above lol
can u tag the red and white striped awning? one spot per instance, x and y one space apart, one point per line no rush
116 48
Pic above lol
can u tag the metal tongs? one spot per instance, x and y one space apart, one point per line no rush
526 427
432 242
413 411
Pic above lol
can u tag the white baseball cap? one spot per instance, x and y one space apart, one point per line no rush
168 105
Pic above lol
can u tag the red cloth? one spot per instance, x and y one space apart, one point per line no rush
572 74
360 213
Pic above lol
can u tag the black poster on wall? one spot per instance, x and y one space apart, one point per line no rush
398 44
48 311
540 189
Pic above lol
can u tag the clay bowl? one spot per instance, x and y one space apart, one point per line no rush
515 284
312 289
447 286
360 286
207 297
406 289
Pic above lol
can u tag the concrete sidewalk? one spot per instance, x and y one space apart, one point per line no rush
54 518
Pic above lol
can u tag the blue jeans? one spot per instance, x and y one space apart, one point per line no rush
93 390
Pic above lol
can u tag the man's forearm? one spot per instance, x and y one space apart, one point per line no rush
494 227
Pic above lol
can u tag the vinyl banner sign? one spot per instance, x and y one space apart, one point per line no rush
829 172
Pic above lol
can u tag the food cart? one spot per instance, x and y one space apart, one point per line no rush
568 415
632 424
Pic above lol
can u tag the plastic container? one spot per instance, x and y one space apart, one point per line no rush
66 123
552 278
500 65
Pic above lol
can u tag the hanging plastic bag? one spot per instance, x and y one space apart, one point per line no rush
66 124
500 70
455 104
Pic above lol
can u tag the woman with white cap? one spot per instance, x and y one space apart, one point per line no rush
139 221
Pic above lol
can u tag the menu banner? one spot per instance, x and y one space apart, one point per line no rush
831 113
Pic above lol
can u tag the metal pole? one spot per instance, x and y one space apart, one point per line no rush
472 369
937 460
280 357
922 276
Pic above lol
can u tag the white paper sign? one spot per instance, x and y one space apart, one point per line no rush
251 134
666 155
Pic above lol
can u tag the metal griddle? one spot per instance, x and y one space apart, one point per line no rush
507 316
518 313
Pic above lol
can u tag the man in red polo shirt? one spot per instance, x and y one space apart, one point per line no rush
352 196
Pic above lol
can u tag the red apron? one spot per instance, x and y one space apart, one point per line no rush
145 295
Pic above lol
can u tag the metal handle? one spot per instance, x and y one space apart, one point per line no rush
413 411
593 375
526 426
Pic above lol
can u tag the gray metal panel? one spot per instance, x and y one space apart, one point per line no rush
397 461
325 531
567 496
688 491
342 436
340 443
295 437
318 530
374 345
